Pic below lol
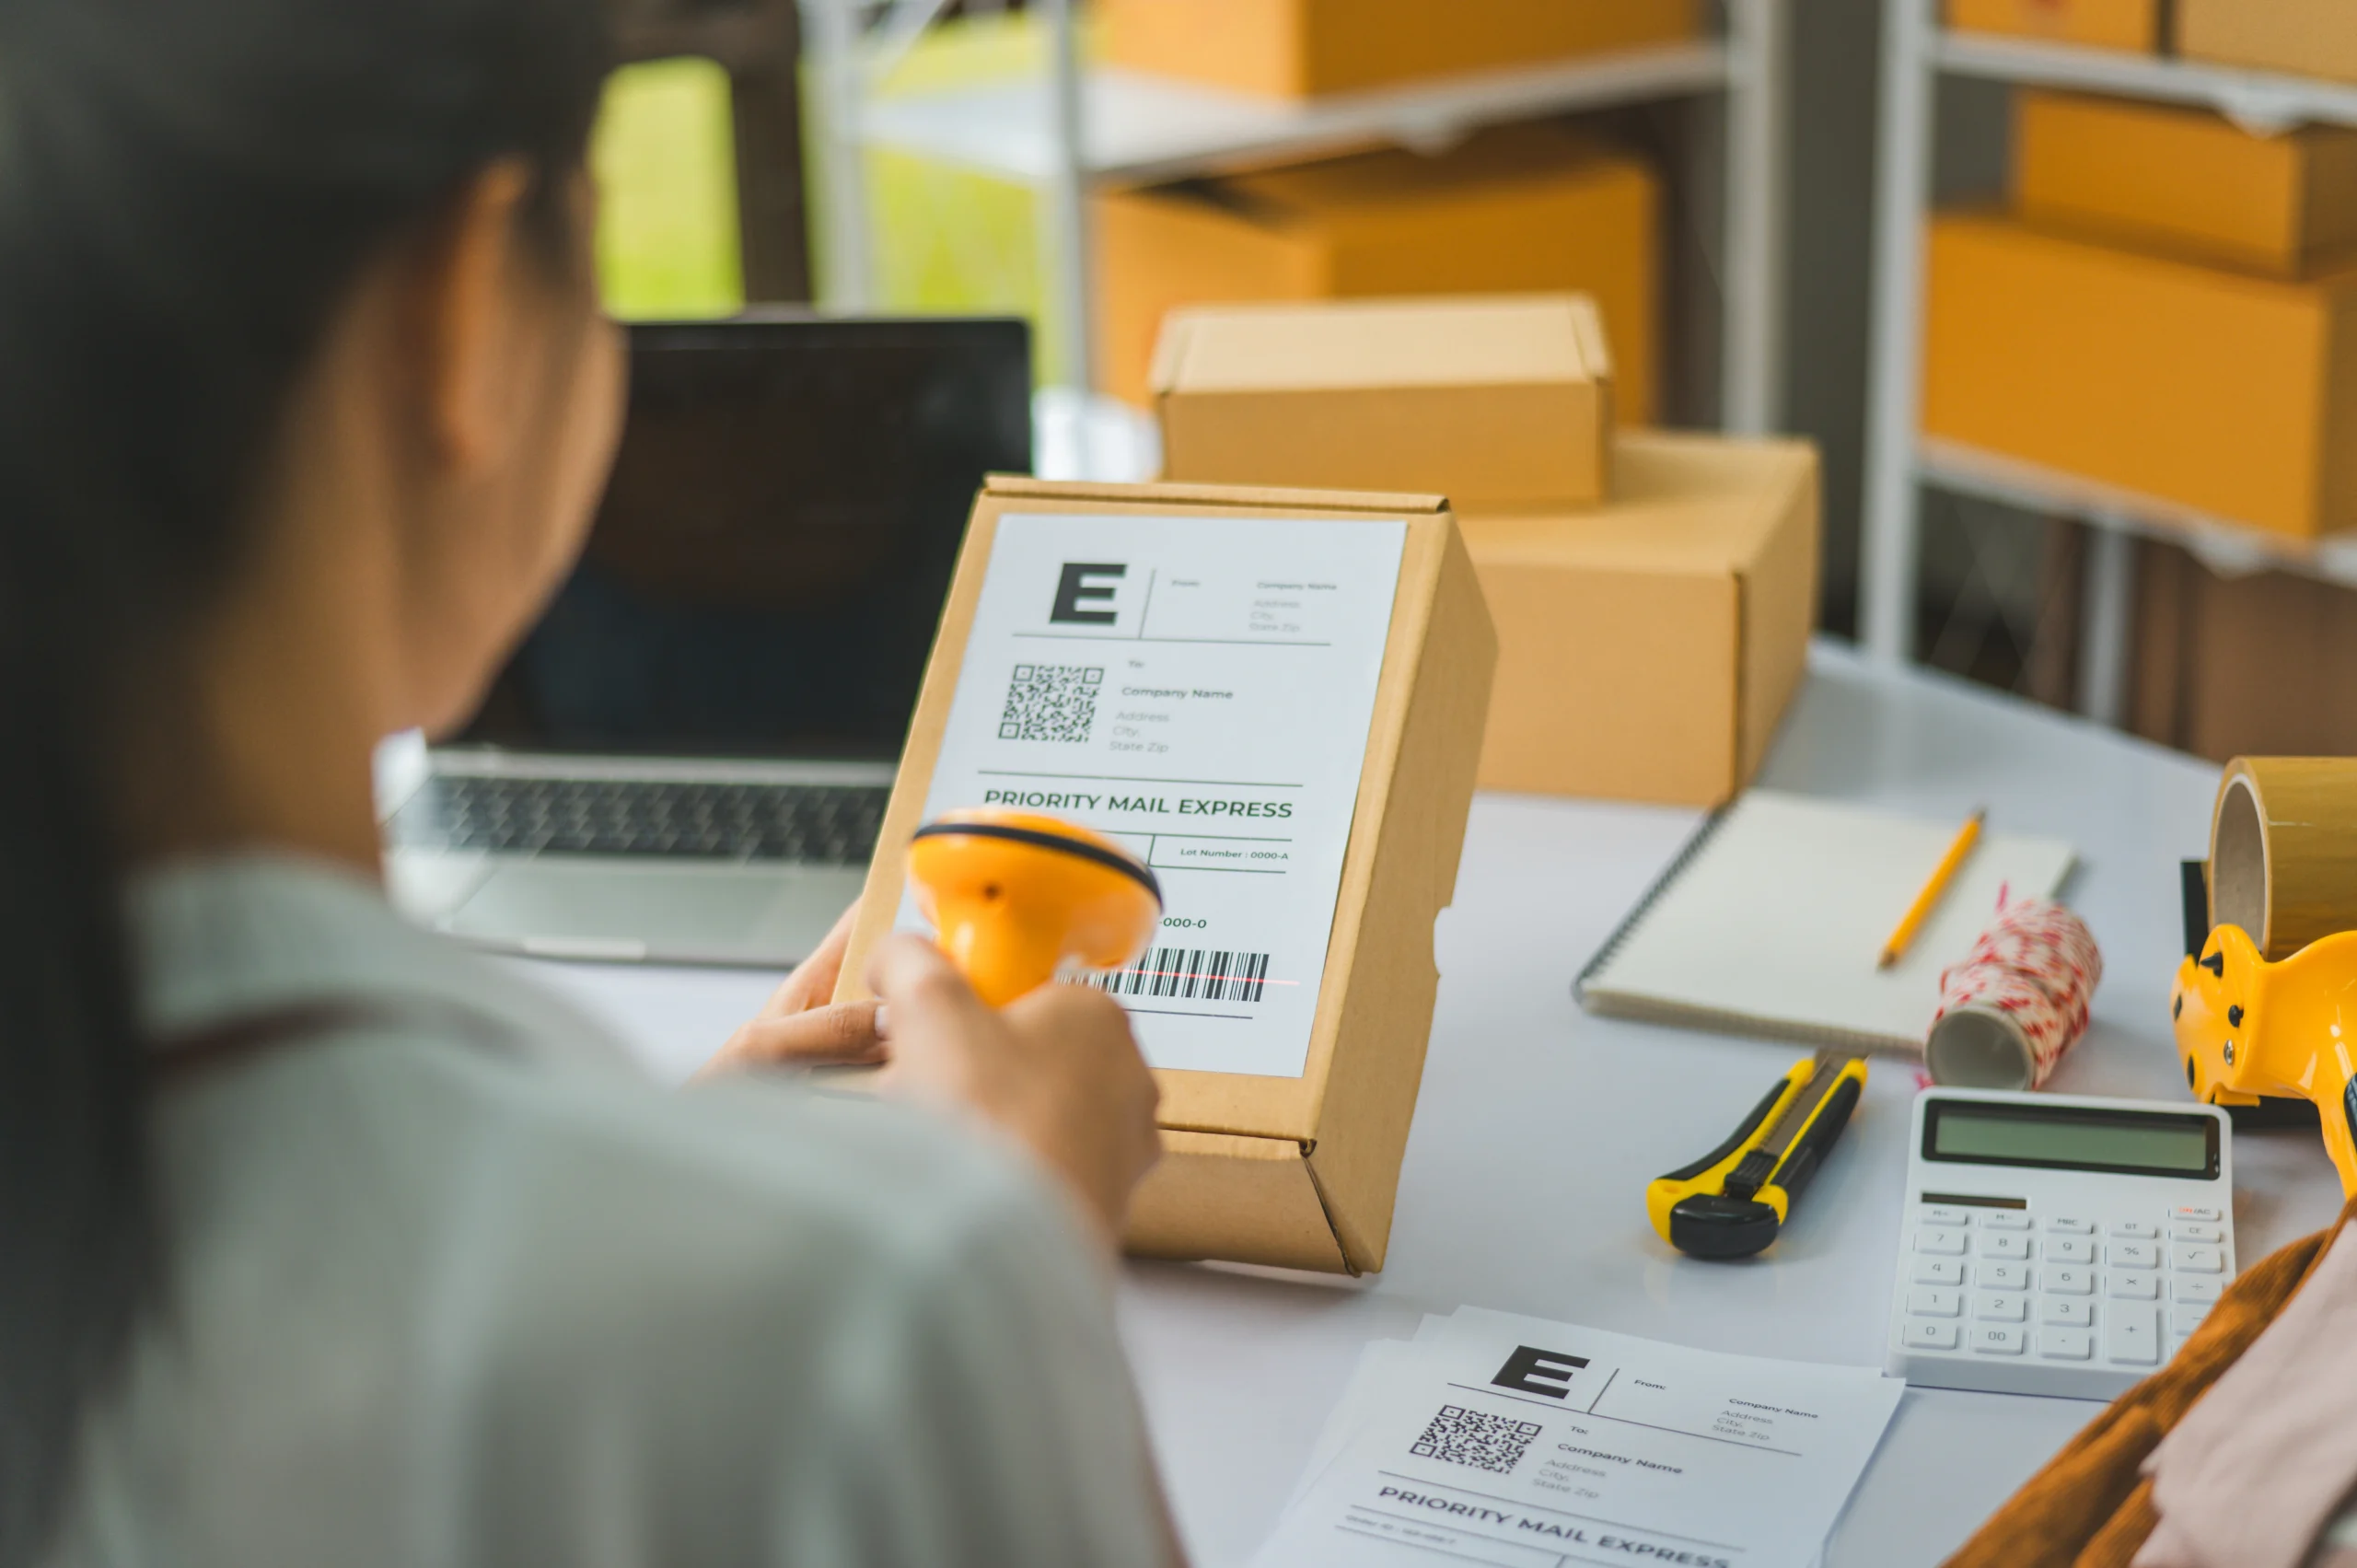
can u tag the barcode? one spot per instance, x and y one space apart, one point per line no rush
1191 974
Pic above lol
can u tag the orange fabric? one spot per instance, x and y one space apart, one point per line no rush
2089 1508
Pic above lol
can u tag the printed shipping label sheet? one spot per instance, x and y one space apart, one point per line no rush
1200 689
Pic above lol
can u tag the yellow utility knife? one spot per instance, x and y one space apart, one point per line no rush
1732 1202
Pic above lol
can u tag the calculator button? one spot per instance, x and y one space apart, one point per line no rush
2070 1249
2004 1276
2135 1287
1935 1303
2183 1320
2210 1233
2071 1282
2069 1227
1946 1243
2005 1219
2197 1289
2001 1308
2131 1336
2134 1255
1997 1338
1927 1336
2194 1212
2198 1260
1938 1271
2066 1345
1943 1214
2135 1230
2066 1312
2004 1246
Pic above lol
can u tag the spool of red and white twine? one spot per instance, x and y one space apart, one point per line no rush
2011 1010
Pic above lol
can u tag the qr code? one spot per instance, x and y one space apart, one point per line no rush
1052 701
1495 1442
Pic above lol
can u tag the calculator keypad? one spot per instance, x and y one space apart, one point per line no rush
2063 1288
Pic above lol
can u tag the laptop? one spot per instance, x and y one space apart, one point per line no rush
687 759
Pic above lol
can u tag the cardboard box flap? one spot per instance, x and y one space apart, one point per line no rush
1684 503
1521 340
1254 497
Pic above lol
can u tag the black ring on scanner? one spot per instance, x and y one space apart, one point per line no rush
1112 860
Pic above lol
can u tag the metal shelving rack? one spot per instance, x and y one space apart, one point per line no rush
1900 459
1079 127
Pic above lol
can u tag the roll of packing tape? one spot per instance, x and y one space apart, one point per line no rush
2284 851
2011 1010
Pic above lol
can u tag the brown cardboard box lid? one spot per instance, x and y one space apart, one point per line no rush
1487 340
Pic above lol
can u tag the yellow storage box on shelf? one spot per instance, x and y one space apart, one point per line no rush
2136 25
1500 400
1520 209
2230 394
2303 38
2186 179
1299 48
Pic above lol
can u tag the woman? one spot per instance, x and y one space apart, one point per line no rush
319 1241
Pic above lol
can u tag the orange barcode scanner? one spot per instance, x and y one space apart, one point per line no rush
1017 897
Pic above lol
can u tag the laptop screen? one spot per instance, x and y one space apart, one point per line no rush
771 556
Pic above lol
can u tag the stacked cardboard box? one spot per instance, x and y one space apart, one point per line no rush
2168 311
2256 665
1653 594
2102 24
2307 38
1529 207
1299 48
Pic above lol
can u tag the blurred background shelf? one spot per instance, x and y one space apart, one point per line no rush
1070 129
2261 100
1141 129
1906 465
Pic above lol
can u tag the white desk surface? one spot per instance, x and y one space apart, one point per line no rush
1539 1126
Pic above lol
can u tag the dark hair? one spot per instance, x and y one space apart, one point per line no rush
187 194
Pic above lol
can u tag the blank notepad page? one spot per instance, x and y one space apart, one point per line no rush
1773 920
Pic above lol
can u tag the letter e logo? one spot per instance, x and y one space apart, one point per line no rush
1543 1372
1075 589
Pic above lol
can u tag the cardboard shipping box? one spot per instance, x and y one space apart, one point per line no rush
1299 1172
2188 180
1497 401
2257 665
2230 394
1648 649
2306 38
1299 48
1518 209
2103 24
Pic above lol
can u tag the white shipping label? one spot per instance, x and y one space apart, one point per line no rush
1200 689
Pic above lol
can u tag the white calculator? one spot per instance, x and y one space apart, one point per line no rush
2054 1244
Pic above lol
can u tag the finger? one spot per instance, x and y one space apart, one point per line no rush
937 1021
812 983
819 1037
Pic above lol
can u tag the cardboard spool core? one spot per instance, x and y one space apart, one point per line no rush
2238 862
1977 1048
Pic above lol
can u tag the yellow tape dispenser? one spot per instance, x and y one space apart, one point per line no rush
2251 1032
1734 1200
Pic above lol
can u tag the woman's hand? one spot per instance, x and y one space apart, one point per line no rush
1057 1071
800 1027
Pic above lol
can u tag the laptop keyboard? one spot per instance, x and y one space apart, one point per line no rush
812 824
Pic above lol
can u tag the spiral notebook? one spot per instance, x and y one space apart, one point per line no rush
1771 920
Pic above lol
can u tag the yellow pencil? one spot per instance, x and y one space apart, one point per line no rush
1928 899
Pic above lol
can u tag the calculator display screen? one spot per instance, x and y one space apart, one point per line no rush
2071 1138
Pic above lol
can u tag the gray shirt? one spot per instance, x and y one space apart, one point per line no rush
451 1284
